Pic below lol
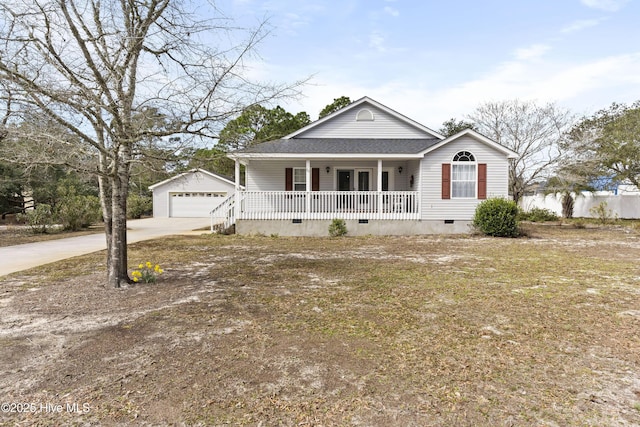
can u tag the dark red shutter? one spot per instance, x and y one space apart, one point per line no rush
446 181
482 181
315 179
288 179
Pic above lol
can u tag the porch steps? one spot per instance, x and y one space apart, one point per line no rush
223 219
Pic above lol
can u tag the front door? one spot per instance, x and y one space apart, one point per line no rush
344 180
344 184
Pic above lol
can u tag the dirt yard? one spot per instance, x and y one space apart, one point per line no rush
420 331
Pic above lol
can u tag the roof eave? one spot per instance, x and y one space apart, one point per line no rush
168 180
242 156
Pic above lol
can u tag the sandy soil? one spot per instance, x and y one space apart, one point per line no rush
248 332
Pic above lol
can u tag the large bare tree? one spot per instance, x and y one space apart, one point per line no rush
98 69
534 131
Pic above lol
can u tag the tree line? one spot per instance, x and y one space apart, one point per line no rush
24 186
555 150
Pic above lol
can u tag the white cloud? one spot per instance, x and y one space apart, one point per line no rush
607 5
580 25
602 81
582 87
293 22
391 11
376 41
532 52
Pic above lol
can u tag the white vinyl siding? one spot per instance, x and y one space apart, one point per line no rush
269 175
195 182
463 209
383 125
413 170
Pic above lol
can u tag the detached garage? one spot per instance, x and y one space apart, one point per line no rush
191 194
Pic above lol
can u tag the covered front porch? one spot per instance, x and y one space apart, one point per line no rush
328 188
302 189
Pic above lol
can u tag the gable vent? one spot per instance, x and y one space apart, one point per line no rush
364 115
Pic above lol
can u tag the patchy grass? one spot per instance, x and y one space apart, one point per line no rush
19 234
355 331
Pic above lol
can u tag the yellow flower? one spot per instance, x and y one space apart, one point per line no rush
135 279
160 271
157 267
148 264
141 266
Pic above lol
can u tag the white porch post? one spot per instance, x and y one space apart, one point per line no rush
379 186
236 206
308 188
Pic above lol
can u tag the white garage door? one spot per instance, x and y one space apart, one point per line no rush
194 205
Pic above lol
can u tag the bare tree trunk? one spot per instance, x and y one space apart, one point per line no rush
114 256
117 255
516 187
117 265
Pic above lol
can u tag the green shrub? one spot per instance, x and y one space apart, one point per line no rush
497 217
137 206
337 228
78 212
38 219
538 215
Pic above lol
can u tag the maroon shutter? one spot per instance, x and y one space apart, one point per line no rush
288 179
482 181
315 179
446 181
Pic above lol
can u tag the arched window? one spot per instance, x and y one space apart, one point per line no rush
364 115
464 175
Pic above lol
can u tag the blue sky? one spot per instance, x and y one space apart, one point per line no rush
436 59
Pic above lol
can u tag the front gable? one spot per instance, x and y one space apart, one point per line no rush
365 118
452 187
473 138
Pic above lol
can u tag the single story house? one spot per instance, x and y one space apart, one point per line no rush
192 194
371 166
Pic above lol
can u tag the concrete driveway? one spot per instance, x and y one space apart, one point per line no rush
22 257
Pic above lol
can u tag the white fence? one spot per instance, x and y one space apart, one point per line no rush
392 205
626 205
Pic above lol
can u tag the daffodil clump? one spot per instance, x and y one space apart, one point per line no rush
147 273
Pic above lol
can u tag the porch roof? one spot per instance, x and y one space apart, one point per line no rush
339 146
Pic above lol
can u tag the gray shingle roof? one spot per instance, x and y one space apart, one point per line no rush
342 146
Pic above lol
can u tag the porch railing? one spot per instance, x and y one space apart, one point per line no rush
223 215
387 205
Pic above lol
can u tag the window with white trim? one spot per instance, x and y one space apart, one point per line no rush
463 176
299 179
